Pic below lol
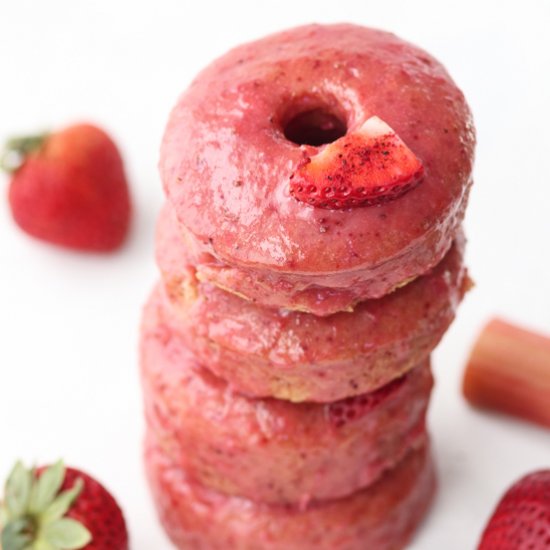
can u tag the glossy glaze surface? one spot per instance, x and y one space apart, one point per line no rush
270 450
382 517
297 356
226 164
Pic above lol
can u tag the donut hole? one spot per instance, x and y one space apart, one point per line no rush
315 127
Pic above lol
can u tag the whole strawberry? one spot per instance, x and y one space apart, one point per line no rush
59 509
69 188
521 520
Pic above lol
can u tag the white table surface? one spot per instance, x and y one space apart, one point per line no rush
68 322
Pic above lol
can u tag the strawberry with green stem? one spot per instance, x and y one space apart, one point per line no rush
69 188
56 508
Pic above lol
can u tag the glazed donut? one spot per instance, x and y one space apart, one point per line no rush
254 118
272 450
382 517
266 352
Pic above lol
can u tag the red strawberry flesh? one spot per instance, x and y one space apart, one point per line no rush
352 408
363 168
521 520
97 510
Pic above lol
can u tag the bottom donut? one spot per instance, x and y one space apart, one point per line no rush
382 517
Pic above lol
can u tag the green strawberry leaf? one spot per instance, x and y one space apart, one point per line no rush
3 515
41 544
45 489
17 491
15 535
61 505
16 149
66 534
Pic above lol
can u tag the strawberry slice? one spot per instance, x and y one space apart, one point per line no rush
509 370
522 518
363 168
352 408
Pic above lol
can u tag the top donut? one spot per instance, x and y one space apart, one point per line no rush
251 122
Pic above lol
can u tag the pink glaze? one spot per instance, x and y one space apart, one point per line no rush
382 517
272 450
297 356
226 164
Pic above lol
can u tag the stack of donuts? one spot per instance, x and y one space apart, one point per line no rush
312 258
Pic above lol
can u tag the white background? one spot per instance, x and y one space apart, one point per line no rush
68 322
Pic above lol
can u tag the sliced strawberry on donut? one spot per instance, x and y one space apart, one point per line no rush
363 168
352 408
